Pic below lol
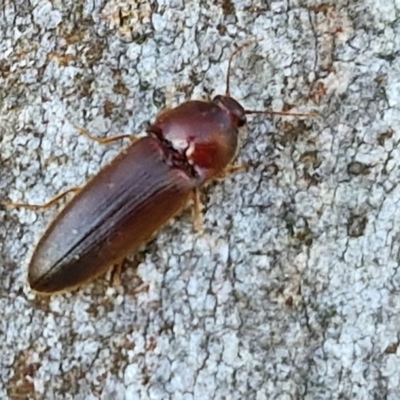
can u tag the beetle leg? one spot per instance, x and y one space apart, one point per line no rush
169 96
44 206
197 211
106 140
230 169
116 274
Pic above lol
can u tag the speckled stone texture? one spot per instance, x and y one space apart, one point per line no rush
292 291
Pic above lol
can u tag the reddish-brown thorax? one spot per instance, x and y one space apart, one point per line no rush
204 134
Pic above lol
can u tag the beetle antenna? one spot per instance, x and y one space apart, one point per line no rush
267 112
227 92
284 113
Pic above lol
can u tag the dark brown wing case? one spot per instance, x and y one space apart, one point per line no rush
116 212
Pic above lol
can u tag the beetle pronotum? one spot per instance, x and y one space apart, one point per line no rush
132 197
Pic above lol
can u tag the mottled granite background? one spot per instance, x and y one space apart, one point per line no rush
293 289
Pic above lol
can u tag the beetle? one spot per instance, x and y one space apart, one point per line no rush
131 198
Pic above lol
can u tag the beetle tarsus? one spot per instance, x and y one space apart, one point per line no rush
197 212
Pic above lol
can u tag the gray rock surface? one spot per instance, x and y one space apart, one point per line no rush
292 290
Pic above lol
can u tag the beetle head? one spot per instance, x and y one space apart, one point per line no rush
233 108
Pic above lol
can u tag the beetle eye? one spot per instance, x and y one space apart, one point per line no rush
233 107
242 121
